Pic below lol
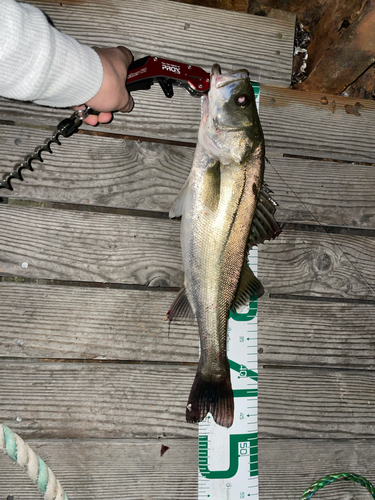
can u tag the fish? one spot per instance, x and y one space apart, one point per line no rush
226 209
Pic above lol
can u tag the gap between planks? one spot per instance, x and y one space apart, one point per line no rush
124 286
13 359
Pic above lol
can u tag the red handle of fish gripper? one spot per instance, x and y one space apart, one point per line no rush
144 72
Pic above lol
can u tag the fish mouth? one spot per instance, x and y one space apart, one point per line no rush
218 80
215 75
216 70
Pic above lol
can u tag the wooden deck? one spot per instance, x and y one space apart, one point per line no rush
90 263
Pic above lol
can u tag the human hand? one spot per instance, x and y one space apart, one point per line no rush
112 95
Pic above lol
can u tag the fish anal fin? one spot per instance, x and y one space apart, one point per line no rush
264 226
249 288
180 308
211 396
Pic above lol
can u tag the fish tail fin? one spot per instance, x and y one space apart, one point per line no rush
215 397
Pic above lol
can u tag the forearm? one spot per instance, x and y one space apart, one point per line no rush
40 64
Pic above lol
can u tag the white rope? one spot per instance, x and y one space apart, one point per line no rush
16 448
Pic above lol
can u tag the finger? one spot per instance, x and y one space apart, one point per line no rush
92 120
105 117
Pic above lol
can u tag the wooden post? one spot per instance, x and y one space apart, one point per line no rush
341 50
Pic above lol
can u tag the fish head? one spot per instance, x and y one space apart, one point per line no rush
230 129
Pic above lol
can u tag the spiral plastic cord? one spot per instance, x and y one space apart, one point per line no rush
347 476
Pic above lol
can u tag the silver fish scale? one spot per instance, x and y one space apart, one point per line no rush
213 258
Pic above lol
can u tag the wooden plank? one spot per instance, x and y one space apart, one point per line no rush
318 264
79 246
90 247
266 49
153 116
128 469
188 33
98 170
305 333
96 400
76 400
316 131
111 469
330 193
298 123
315 403
86 323
291 466
143 175
339 55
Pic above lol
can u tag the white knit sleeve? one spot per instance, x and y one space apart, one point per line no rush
38 63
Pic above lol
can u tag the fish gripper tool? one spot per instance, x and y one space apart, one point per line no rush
142 74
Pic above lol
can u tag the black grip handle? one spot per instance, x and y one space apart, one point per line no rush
144 84
138 63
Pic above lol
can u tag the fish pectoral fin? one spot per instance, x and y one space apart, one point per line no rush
180 308
178 207
211 186
249 288
264 226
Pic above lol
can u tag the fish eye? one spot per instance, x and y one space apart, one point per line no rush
243 100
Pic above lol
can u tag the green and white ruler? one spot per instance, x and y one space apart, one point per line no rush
228 458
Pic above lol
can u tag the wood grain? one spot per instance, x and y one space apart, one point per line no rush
68 245
111 469
94 400
97 170
315 403
76 400
298 123
318 264
330 193
294 122
90 247
113 172
127 377
304 333
128 469
87 323
187 33
290 466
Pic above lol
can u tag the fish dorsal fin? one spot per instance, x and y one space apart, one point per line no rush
180 308
249 287
264 226
178 206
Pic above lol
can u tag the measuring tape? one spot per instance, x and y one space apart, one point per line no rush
228 458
